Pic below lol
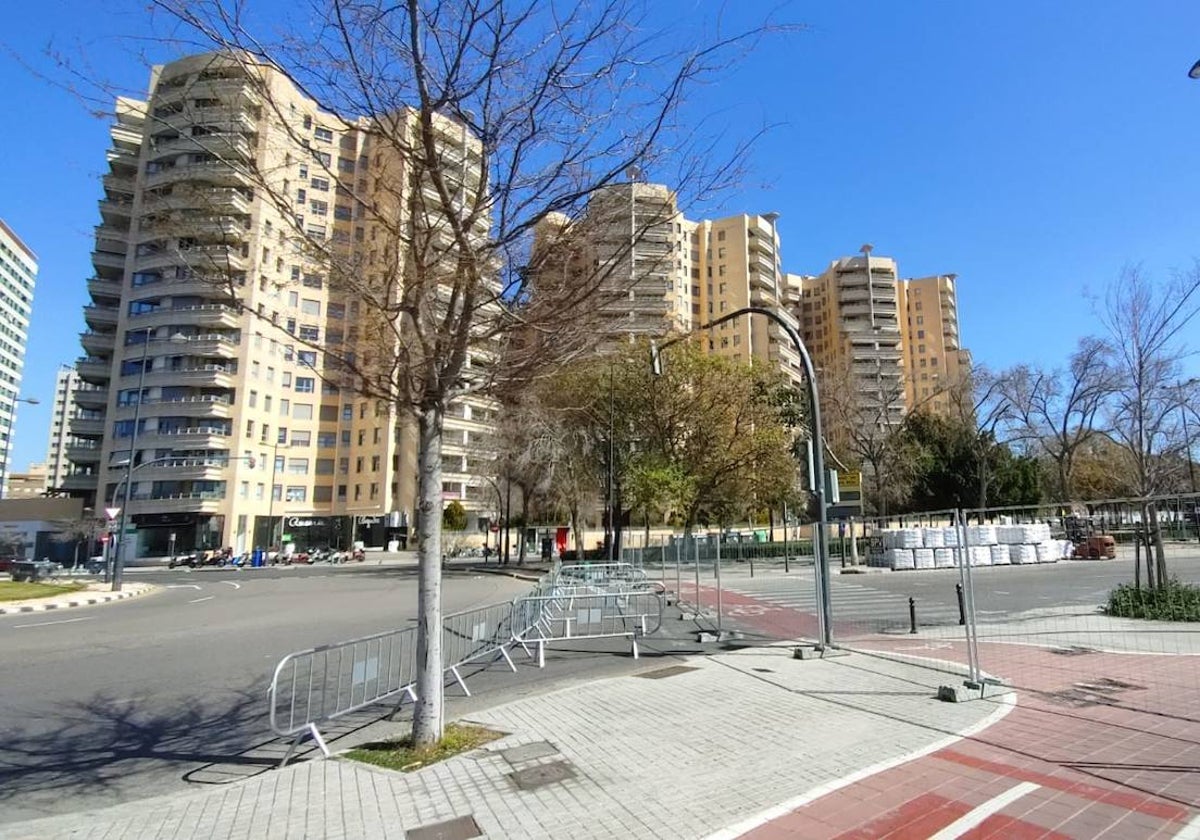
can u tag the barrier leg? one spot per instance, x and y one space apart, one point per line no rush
412 695
312 731
633 639
508 658
458 678
541 654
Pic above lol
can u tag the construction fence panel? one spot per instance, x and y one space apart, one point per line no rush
1093 604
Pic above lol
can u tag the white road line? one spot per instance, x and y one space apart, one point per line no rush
183 586
1190 831
198 600
231 583
1006 704
977 815
45 623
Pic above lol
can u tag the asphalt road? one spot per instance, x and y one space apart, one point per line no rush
105 704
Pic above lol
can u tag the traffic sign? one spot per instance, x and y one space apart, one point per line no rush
112 513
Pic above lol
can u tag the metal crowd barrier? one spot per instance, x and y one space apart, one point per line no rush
540 619
321 684
312 687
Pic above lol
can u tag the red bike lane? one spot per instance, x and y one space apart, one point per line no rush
1083 754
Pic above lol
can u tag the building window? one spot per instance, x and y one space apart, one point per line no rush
297 466
300 438
302 411
305 384
297 494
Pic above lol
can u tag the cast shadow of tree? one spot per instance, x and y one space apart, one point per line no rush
105 744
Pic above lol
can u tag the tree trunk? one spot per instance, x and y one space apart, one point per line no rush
429 713
577 532
1160 554
521 539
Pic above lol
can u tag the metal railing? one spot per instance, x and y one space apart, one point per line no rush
567 616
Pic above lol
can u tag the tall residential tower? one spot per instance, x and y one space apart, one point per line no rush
18 273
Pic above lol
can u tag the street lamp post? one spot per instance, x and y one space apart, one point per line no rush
824 613
119 562
4 466
271 499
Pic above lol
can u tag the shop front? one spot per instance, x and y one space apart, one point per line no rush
168 534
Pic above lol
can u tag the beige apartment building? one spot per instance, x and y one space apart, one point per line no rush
214 332
894 343
66 383
936 365
658 272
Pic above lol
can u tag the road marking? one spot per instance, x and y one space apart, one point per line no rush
231 583
1005 705
198 600
183 586
45 623
976 816
1191 831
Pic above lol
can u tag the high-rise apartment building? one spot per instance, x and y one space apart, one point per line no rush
58 463
849 318
18 273
658 272
935 363
888 345
30 484
212 314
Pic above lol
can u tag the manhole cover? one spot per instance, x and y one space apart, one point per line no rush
541 775
459 828
528 752
669 671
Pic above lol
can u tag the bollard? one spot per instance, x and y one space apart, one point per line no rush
962 609
912 615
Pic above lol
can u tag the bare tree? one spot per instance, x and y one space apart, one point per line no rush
862 429
477 120
1145 322
1055 412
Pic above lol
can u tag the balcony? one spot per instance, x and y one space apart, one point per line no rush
185 197
210 376
116 211
185 469
100 287
108 259
84 452
91 397
118 184
218 345
221 144
202 406
213 315
93 369
197 437
201 502
80 482
98 343
86 427
101 316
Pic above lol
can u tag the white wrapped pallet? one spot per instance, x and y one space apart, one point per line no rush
923 558
943 558
1000 555
981 535
1023 554
1008 534
907 538
1048 551
950 537
898 558
1041 532
932 538
979 555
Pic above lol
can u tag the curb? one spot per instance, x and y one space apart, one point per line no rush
82 600
528 576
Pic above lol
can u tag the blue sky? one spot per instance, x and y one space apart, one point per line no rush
1034 148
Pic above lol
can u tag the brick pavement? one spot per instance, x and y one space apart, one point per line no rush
1100 744
678 757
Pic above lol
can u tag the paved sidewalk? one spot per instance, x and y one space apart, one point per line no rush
676 752
93 593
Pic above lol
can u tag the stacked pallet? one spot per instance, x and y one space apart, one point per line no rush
987 545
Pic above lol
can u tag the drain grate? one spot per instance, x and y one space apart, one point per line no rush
1073 650
528 752
541 775
459 828
669 671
